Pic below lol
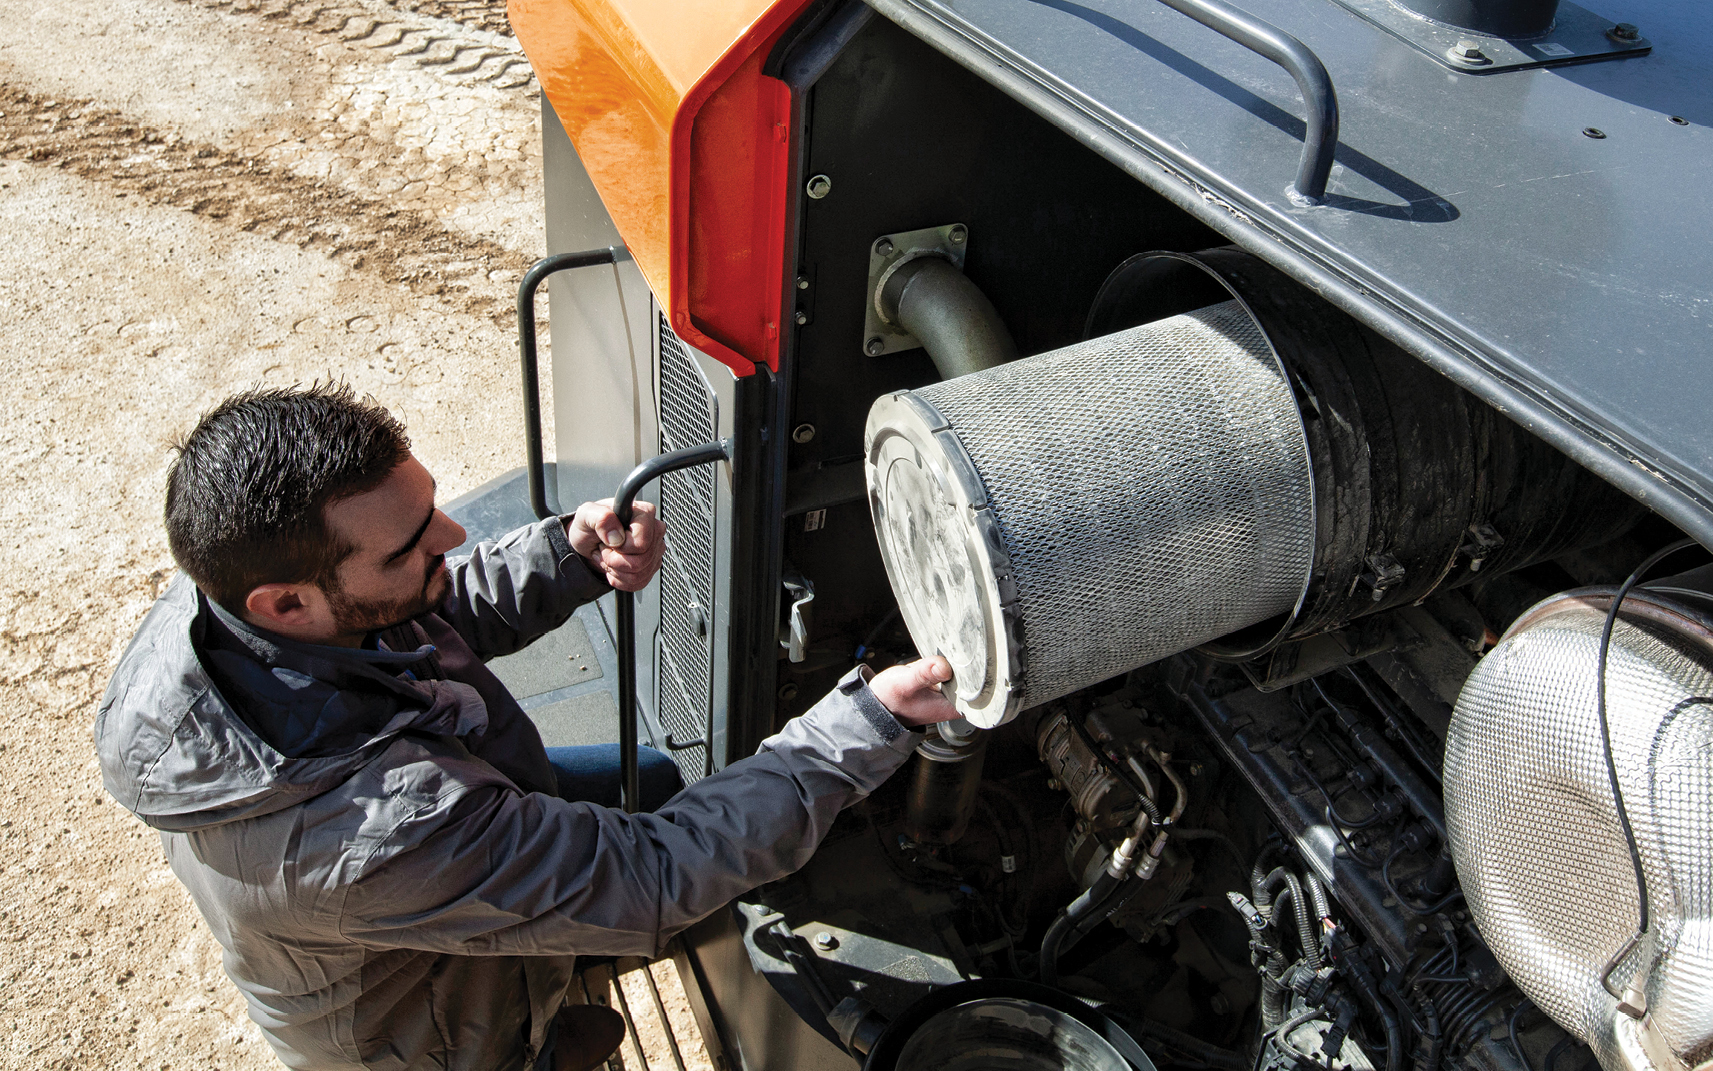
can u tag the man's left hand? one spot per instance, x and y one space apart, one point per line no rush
628 558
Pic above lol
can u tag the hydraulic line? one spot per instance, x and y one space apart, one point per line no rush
1090 903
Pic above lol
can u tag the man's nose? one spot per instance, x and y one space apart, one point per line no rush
443 534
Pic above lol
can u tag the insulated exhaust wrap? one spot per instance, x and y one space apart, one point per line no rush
1053 522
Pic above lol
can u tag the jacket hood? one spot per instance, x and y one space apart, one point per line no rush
177 752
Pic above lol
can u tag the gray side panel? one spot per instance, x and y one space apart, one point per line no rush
695 406
603 366
1564 278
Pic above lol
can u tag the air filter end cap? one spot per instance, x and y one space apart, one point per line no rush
936 531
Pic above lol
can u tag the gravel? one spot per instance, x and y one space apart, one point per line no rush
197 197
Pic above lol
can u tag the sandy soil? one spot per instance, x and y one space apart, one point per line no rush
197 196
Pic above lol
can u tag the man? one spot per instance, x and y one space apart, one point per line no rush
363 814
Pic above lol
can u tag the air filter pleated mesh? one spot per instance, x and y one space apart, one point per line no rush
1151 490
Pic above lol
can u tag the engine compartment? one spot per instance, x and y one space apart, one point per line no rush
1238 852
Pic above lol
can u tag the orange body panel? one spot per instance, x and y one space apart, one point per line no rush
687 143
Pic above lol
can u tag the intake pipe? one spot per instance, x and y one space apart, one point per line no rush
930 298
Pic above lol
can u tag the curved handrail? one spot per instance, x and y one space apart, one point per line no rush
532 280
624 623
1320 101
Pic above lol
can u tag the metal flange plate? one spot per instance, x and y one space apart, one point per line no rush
890 252
1577 36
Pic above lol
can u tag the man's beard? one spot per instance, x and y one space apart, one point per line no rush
359 617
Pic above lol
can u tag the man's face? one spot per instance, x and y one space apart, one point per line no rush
398 569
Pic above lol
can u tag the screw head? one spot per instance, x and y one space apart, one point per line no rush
958 234
875 347
801 317
883 247
1467 51
819 187
802 282
1624 31
802 433
788 691
825 941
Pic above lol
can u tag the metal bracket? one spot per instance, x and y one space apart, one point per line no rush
1383 573
1484 540
794 635
890 252
1577 36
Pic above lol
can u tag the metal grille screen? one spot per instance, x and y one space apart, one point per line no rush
1151 487
688 417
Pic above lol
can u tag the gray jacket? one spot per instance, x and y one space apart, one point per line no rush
373 838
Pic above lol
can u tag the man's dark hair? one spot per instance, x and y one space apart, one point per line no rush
247 495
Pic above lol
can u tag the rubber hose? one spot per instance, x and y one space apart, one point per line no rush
1394 1035
1092 898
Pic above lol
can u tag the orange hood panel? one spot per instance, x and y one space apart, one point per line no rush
687 143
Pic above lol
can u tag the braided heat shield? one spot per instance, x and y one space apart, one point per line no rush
1535 833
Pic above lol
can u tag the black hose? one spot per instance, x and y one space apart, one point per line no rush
1511 1033
1088 904
1606 745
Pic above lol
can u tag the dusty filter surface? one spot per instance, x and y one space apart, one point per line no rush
1056 521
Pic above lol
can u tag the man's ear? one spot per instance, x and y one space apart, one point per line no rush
277 606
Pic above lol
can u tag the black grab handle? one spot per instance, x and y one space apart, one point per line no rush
625 625
532 280
1320 102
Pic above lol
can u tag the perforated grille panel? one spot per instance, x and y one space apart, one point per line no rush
688 417
1151 488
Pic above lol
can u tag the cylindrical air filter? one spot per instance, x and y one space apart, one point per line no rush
1059 520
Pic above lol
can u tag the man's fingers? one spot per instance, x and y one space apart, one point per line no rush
912 691
607 526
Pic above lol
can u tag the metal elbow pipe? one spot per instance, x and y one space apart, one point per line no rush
961 330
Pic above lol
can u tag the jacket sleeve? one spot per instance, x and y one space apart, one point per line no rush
513 590
495 872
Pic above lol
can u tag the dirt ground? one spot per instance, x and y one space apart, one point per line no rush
197 196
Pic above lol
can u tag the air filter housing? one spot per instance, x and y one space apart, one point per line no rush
1098 507
1534 829
1231 464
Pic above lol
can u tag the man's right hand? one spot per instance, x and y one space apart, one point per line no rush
628 559
911 691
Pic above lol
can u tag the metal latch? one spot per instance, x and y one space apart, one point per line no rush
1483 541
1384 572
794 634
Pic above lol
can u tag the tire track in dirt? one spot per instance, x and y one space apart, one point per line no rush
487 15
401 247
469 41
